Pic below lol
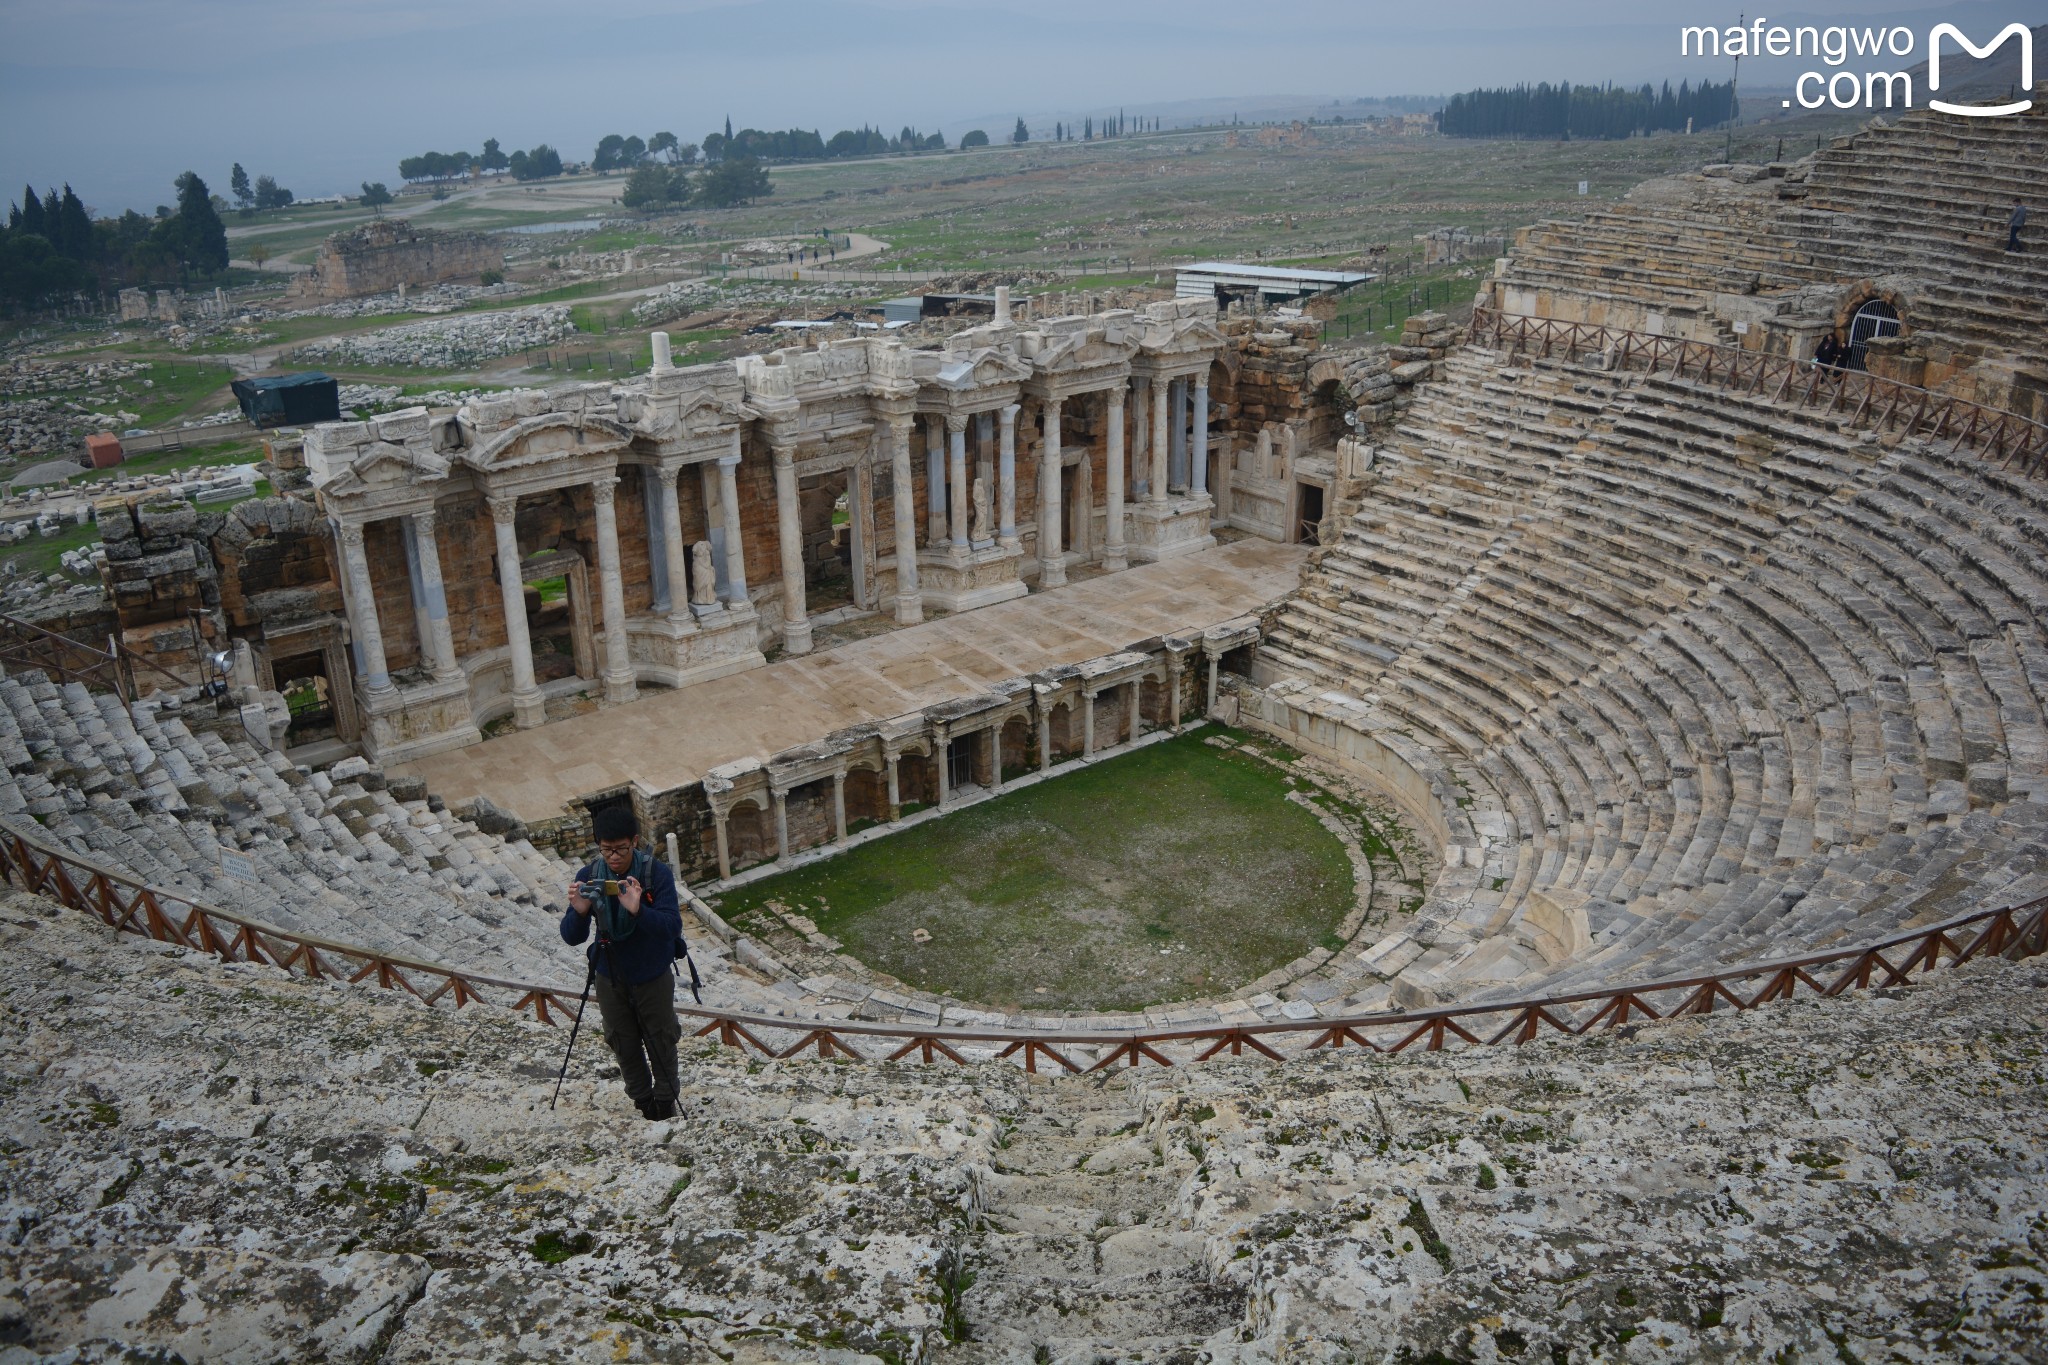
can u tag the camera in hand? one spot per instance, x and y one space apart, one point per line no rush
590 890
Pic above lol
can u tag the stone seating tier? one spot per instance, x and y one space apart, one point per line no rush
1731 676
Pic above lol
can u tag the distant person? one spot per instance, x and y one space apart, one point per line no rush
2014 224
637 929
1831 354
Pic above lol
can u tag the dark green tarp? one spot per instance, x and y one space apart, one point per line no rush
289 400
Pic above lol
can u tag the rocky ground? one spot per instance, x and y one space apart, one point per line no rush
446 343
219 1163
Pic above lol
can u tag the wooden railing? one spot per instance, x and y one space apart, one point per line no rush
131 906
26 645
1855 395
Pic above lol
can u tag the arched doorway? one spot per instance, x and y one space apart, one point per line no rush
1874 319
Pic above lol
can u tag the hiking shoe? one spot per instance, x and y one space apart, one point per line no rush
661 1107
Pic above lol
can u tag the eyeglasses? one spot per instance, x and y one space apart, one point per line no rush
620 846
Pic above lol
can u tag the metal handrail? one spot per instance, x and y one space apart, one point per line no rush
1861 396
132 906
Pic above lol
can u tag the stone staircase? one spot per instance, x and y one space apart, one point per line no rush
1079 1246
1733 680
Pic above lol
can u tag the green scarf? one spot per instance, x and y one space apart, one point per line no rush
613 922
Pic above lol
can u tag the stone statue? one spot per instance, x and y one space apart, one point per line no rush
703 578
983 531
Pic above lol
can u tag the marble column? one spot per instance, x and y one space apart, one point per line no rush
1177 451
995 759
1141 419
1052 569
1113 556
909 601
796 625
1173 692
956 440
895 790
363 599
1210 710
662 600
1087 725
618 653
1133 705
446 667
724 850
1157 492
781 824
729 514
1198 453
1044 741
934 482
1006 480
671 515
839 808
529 708
942 752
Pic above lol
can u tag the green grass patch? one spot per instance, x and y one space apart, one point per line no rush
1175 872
38 558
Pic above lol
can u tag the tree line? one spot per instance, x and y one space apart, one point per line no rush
1586 111
1117 125
53 248
798 144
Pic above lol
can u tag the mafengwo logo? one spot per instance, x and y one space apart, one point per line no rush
1844 89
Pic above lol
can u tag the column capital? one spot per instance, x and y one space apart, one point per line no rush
1116 398
424 522
504 507
783 453
901 423
956 422
729 461
349 533
1009 413
603 489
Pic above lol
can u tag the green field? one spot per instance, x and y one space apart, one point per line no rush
1176 872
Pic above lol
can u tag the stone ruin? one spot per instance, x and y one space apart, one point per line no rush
1666 676
384 256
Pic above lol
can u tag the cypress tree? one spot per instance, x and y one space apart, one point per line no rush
31 217
74 228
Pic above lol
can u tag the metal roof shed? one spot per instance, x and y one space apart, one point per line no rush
1223 280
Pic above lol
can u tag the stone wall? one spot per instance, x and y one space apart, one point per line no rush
379 257
164 582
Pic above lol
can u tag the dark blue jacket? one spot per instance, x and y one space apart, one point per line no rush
651 950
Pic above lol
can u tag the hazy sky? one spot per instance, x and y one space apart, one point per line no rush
118 96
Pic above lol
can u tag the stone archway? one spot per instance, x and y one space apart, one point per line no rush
1873 320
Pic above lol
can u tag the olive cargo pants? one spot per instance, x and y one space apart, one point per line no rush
641 1027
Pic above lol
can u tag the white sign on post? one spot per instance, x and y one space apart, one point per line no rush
1584 185
240 866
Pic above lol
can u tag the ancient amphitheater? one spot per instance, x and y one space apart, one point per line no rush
1710 684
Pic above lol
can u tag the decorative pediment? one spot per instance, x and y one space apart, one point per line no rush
382 466
548 437
1185 336
989 367
1090 350
710 412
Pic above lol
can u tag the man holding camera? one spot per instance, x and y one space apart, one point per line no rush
629 901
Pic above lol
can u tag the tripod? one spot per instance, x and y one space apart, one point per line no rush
582 1003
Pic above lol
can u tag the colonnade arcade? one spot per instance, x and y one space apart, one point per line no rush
823 794
596 538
